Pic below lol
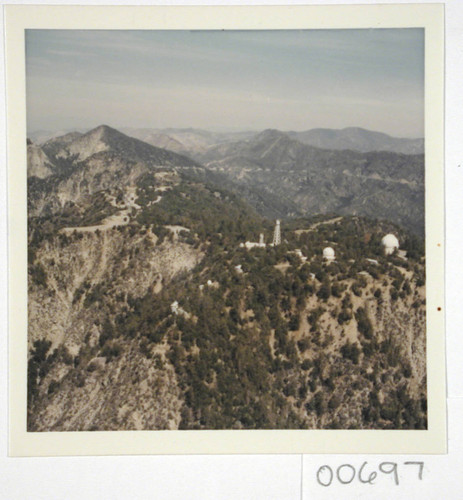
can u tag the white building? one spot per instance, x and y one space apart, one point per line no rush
390 244
177 310
299 253
329 254
174 307
254 244
261 244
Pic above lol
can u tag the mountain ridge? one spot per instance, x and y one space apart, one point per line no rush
377 184
192 140
358 139
279 175
100 159
105 138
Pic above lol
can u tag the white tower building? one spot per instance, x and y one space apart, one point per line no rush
276 234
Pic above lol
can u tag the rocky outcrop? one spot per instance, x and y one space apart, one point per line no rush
85 269
38 163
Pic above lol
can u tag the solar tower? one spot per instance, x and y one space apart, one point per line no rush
276 234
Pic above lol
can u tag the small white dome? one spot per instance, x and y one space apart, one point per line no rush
390 241
328 253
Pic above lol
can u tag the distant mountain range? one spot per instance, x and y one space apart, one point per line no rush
309 180
358 139
278 175
187 141
193 141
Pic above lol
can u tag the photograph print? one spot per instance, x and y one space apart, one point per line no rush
226 229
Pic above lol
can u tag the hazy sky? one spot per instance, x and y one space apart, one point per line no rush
249 80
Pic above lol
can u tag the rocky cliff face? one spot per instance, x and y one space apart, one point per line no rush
392 355
89 276
56 144
38 163
94 267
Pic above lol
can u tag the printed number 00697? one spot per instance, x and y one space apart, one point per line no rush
346 473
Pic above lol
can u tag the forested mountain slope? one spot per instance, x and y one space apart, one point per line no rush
308 180
146 313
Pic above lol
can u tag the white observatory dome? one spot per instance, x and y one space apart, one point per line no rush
390 243
328 253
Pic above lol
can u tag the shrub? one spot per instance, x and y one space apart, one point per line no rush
364 325
52 386
344 316
324 291
350 351
306 364
303 344
294 322
38 275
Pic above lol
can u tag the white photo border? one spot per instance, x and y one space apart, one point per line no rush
427 16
